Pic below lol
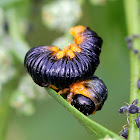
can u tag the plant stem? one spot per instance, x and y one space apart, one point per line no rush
133 27
96 128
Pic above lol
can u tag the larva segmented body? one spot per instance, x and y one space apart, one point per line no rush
50 66
88 96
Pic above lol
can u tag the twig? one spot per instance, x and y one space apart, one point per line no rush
133 27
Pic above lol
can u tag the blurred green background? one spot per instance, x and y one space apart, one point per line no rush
33 114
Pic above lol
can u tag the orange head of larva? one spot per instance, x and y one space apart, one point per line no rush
76 32
79 88
81 98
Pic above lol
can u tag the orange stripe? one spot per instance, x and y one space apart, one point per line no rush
60 54
76 32
79 88
74 47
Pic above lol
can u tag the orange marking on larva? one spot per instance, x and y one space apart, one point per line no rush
53 87
70 54
74 47
60 54
79 39
94 112
69 50
54 49
66 48
64 91
76 32
79 88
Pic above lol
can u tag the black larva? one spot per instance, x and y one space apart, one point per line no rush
50 66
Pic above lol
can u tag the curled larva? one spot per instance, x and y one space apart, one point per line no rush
88 96
52 67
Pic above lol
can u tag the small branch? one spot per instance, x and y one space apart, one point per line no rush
133 27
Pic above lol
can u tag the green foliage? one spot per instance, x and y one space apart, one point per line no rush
98 2
19 93
55 14
133 22
5 3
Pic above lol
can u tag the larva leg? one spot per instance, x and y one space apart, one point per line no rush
69 97
64 91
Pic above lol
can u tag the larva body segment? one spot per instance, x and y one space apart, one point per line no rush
88 96
50 66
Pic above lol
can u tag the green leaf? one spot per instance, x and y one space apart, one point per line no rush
94 127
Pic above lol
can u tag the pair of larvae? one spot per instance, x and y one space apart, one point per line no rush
69 71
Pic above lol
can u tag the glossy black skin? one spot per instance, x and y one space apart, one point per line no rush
46 69
132 108
98 95
123 109
124 133
98 91
135 102
83 104
100 88
138 121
